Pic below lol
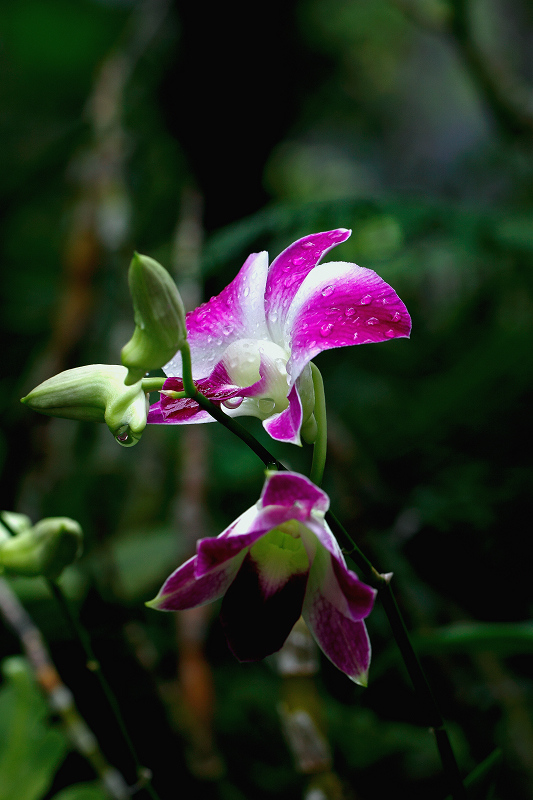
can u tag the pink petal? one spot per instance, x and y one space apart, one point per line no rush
340 304
294 492
238 312
285 426
184 590
289 269
342 640
256 626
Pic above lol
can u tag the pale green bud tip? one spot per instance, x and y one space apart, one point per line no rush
159 314
46 549
95 393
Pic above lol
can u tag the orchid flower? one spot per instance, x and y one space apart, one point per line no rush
277 561
251 345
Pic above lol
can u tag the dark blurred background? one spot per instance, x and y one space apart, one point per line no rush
200 133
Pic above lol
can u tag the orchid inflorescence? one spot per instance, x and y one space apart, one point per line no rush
248 351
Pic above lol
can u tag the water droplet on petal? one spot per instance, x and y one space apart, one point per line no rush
298 260
308 244
312 344
246 291
366 300
227 329
390 334
327 291
233 402
332 310
124 437
273 317
355 335
218 342
326 329
372 321
209 339
349 312
281 365
266 405
396 316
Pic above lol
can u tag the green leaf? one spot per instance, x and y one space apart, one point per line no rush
31 749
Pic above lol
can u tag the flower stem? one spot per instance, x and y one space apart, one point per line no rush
321 443
144 775
152 384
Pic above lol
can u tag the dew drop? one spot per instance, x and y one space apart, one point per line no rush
124 436
281 365
266 405
366 300
308 244
390 334
273 317
372 321
327 291
326 329
312 344
355 335
246 291
218 342
209 339
332 310
227 329
396 316
298 260
233 402
349 312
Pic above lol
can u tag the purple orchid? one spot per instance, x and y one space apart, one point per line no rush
251 345
277 561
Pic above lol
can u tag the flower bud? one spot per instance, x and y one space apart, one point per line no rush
12 523
95 393
46 549
159 318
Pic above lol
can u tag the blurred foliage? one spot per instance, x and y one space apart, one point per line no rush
405 120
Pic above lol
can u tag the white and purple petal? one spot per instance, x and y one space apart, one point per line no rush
285 426
183 589
237 312
294 492
289 269
340 304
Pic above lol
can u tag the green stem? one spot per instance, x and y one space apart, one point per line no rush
93 664
321 443
152 384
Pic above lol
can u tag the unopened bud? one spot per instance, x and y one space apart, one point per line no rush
12 523
95 393
159 318
46 549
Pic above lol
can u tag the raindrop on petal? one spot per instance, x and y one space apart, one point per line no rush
298 260
327 291
349 312
366 300
273 317
233 402
372 321
390 334
332 310
246 291
308 244
123 436
266 405
326 329
396 316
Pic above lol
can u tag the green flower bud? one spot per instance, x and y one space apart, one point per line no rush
11 522
95 393
159 318
46 549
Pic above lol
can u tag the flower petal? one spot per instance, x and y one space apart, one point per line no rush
294 492
285 426
256 626
237 312
341 304
289 269
342 640
183 589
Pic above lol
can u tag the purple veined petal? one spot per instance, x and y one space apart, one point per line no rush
340 304
289 269
342 640
285 426
183 589
330 578
294 491
256 626
186 411
237 312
